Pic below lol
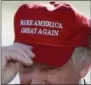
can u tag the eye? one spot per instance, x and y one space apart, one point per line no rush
47 69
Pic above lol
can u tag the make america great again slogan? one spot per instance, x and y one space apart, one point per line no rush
51 30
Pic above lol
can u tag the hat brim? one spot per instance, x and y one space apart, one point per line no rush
50 55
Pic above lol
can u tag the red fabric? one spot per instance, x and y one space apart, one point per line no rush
53 50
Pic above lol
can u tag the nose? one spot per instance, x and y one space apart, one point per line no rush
37 82
37 77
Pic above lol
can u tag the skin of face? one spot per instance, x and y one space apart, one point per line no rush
44 74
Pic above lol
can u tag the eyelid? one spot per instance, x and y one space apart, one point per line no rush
47 68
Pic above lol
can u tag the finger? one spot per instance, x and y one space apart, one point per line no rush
23 59
17 56
28 51
24 49
10 72
21 51
24 45
24 53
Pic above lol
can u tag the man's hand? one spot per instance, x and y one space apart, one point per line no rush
12 58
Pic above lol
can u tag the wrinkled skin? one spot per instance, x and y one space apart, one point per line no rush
43 74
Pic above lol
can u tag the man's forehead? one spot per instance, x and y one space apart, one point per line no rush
35 64
66 65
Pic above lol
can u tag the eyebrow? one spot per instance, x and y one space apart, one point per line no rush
48 67
43 66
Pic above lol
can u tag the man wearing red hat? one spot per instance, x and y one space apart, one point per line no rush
60 37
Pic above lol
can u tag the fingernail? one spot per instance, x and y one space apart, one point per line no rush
33 55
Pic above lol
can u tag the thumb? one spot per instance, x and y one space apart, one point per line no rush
10 72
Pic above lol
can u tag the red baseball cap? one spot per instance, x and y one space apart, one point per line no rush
54 31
